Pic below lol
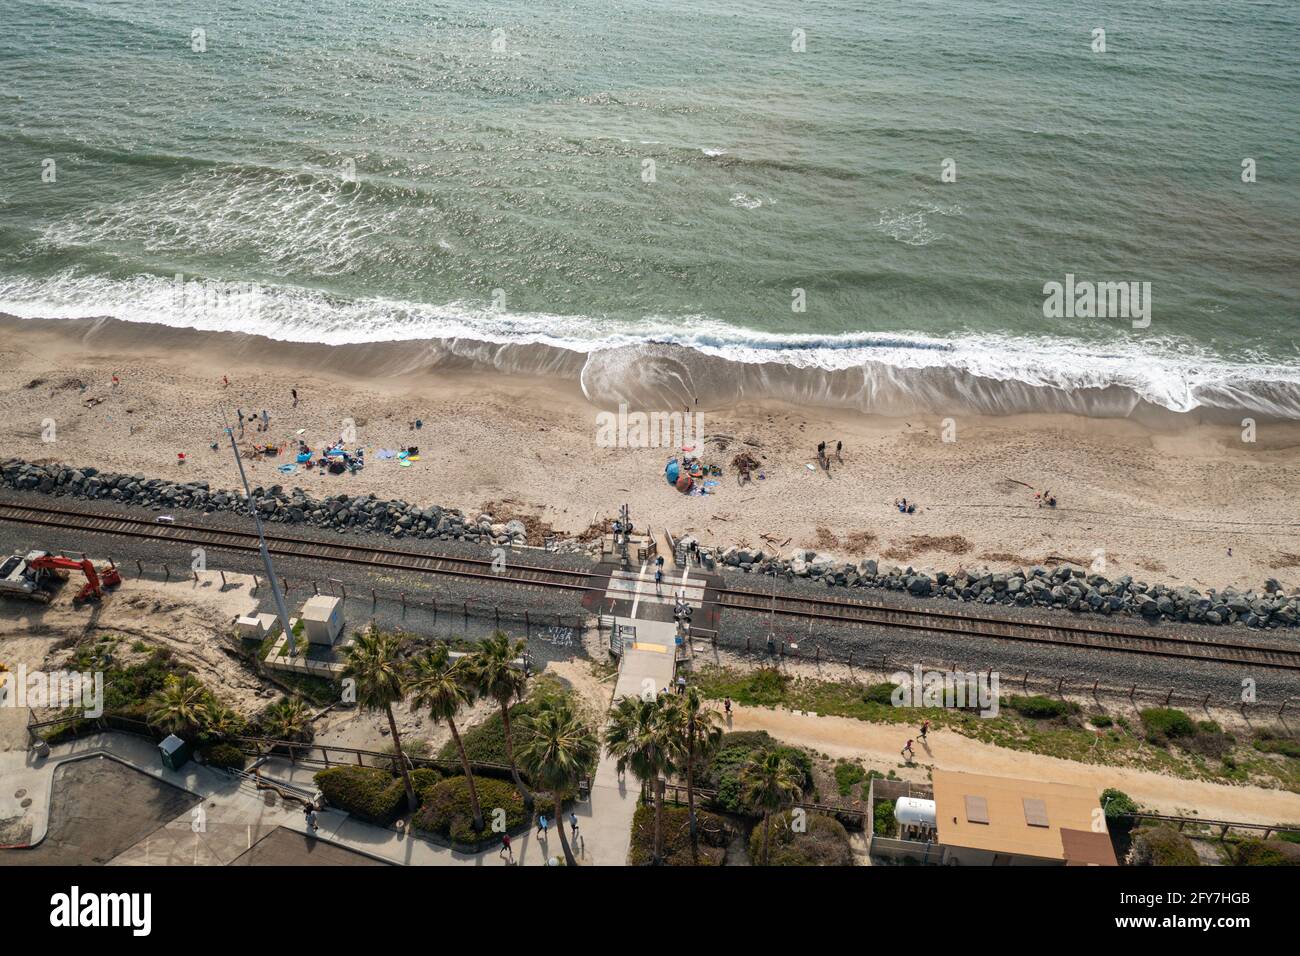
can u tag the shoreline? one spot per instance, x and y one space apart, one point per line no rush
1157 503
887 374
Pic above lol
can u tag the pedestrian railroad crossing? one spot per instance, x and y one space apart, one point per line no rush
645 631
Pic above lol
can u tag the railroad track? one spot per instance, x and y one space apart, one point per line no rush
974 625
836 610
380 559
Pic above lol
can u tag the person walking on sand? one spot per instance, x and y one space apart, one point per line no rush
266 421
225 381
924 731
839 451
542 824
294 393
821 451
907 750
507 852
726 706
116 381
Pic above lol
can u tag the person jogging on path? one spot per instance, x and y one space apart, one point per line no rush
541 825
506 851
907 750
925 729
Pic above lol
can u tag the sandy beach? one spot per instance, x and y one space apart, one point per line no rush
1195 505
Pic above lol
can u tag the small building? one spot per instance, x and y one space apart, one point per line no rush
322 618
967 819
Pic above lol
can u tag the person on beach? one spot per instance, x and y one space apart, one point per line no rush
294 393
542 824
507 852
225 381
839 451
726 706
116 381
266 421
907 750
925 729
821 451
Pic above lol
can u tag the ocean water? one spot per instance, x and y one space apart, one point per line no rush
472 175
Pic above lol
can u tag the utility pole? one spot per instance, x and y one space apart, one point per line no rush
291 642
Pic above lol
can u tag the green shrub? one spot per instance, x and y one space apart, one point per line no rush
1166 723
714 834
223 757
485 742
823 842
1253 852
882 819
369 793
722 772
848 773
1163 846
1268 742
447 812
880 694
1117 803
1040 707
1100 720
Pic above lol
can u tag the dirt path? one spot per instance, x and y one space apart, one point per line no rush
878 746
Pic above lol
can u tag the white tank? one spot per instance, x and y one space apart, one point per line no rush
910 811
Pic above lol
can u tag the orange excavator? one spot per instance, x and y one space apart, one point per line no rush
35 575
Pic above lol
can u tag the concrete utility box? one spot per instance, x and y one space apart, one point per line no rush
322 617
175 752
256 627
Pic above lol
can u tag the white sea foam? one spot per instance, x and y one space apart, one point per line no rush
699 356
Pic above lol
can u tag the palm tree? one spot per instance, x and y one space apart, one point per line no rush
770 782
286 719
701 731
497 678
444 686
559 749
220 720
640 737
375 664
179 705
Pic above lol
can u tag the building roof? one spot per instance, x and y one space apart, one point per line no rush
1051 821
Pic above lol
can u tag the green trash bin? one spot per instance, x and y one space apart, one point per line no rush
175 752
